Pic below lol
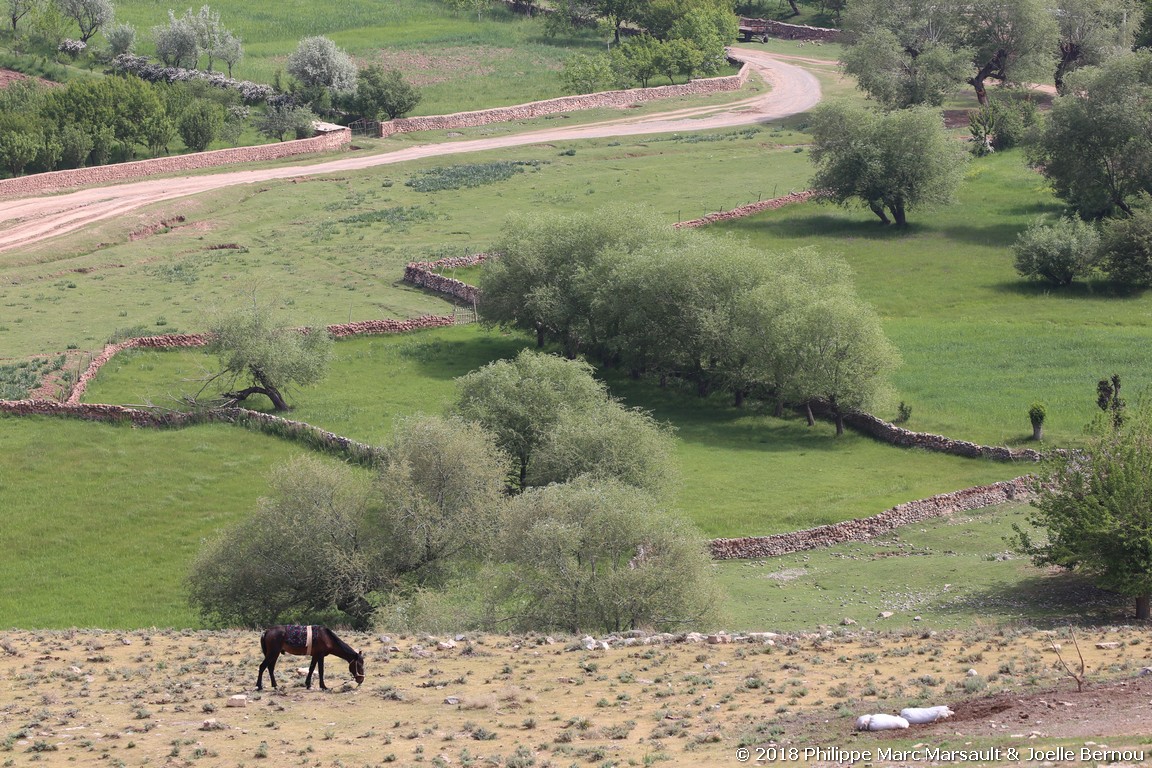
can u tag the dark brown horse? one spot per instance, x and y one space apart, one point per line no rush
294 640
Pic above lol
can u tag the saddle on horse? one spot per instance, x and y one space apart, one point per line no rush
299 637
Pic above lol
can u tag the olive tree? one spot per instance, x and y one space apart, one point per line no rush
254 348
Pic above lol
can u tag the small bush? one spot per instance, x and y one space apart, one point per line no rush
1057 253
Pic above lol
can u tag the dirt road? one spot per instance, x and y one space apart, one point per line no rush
31 220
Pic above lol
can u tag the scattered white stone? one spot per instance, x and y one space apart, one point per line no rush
886 614
452 700
1146 671
847 622
446 645
972 673
239 700
1107 646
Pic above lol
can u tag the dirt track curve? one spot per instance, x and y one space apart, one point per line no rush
31 220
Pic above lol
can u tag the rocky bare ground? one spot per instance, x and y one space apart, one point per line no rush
186 698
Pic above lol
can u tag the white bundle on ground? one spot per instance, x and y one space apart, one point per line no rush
880 722
918 715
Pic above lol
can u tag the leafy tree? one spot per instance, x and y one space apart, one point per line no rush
544 281
281 119
209 32
596 556
1002 123
121 39
176 42
436 496
1096 145
472 6
229 49
318 63
1058 252
898 74
890 162
252 347
521 400
380 92
89 15
1127 246
617 13
1091 31
200 124
1095 506
916 51
679 57
1012 41
585 74
75 146
703 34
18 149
607 441
15 10
332 538
298 556
642 55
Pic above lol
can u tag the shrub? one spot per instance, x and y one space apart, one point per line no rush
1057 253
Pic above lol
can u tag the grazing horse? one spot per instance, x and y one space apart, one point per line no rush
314 641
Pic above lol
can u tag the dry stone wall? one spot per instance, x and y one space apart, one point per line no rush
758 28
565 104
868 527
425 274
748 210
39 183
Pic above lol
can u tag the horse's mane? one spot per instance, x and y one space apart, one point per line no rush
343 646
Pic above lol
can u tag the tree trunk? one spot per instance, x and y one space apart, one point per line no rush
878 209
899 217
795 8
1037 432
1142 607
539 336
739 398
808 413
1069 53
778 409
839 419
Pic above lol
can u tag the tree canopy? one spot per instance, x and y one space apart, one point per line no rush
891 162
254 348
1096 145
1094 506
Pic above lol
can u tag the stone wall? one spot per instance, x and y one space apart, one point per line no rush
748 210
758 28
565 104
39 183
425 274
868 527
177 340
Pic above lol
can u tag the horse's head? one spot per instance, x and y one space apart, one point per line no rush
356 668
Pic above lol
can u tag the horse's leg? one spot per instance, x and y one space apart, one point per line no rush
272 668
311 668
322 686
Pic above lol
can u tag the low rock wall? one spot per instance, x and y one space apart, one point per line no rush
784 31
890 433
748 210
868 527
565 104
38 183
425 274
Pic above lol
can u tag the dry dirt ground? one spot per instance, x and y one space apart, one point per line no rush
27 221
163 698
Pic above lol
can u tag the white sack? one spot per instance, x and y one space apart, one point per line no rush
880 723
917 715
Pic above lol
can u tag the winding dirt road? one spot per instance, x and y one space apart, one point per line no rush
31 220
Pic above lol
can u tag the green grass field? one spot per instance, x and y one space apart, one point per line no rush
979 346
